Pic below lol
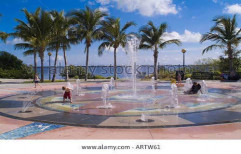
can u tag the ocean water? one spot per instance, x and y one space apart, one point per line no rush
125 71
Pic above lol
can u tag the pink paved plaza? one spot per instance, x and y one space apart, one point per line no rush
15 128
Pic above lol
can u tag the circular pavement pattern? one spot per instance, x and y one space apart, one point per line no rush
221 105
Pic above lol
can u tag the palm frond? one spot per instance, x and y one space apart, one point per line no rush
102 47
211 47
174 41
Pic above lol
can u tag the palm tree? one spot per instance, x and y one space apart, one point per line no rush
37 31
62 38
60 27
43 25
152 38
65 45
114 36
86 22
3 35
226 35
26 31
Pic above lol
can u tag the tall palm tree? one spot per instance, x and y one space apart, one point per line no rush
26 31
113 36
60 28
62 38
86 23
65 45
152 38
3 35
226 35
43 25
37 31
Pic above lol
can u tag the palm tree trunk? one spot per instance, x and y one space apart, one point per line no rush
87 63
155 62
66 65
115 73
35 64
230 57
42 65
55 64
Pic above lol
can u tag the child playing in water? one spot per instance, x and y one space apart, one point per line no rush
195 88
67 93
36 81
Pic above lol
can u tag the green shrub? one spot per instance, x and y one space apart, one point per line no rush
98 77
13 68
9 61
24 73
76 72
188 76
217 73
76 77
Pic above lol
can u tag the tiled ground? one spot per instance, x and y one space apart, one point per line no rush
20 129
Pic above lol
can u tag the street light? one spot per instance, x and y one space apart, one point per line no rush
184 51
49 54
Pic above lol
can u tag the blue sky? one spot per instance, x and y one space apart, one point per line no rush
187 21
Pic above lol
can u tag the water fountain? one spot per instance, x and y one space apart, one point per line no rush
188 84
78 88
132 47
104 95
153 84
69 85
174 96
203 92
204 89
28 104
111 83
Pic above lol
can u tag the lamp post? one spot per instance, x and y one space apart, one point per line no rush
49 54
184 51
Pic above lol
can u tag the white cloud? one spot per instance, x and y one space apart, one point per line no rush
15 41
103 9
215 1
188 36
103 2
91 3
233 9
111 49
60 57
145 7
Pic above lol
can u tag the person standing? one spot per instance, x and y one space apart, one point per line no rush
36 81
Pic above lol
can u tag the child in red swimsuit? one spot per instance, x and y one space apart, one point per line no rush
67 94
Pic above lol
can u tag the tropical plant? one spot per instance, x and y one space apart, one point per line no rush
54 45
37 31
12 67
113 36
26 31
152 37
226 36
86 24
224 64
61 38
76 72
43 24
66 40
